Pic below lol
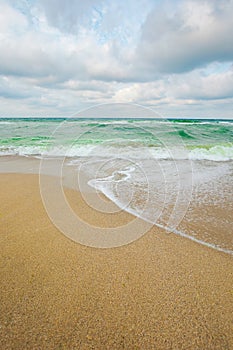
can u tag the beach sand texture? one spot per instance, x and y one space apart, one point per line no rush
159 292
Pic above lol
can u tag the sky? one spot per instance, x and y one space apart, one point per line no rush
58 57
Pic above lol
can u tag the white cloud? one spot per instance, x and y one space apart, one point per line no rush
11 21
189 87
198 86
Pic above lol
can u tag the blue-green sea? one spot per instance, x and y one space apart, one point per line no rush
176 174
203 139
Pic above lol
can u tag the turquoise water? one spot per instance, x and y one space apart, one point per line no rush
206 139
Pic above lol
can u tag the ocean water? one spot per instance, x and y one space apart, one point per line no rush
176 174
203 139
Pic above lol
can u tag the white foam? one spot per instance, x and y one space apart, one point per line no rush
216 153
6 123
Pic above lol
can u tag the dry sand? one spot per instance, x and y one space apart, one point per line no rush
159 292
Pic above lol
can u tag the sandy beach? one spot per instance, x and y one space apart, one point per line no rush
159 292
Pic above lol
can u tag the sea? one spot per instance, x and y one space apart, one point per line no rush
173 173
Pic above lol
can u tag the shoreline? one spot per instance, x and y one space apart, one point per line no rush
70 178
159 292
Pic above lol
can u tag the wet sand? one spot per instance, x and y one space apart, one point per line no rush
159 292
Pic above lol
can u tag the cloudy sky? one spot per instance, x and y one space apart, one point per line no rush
57 57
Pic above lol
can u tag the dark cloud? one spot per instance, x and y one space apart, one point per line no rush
11 94
192 35
11 88
68 15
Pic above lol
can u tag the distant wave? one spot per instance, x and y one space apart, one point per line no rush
6 123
